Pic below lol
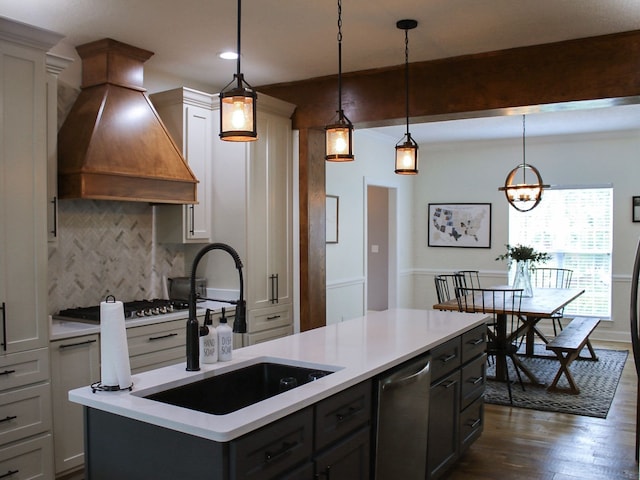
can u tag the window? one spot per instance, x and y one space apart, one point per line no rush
575 226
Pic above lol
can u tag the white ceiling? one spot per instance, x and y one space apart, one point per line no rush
289 40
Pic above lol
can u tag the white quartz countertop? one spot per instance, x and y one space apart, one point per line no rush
356 349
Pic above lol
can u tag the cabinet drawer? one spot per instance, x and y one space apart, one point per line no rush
471 423
274 449
18 369
474 378
153 360
348 459
266 335
445 358
24 412
474 342
31 460
156 337
342 414
267 318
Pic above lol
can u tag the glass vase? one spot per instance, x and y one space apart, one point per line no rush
523 278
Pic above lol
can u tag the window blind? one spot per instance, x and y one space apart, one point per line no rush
575 226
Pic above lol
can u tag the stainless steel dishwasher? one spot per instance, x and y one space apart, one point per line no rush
402 421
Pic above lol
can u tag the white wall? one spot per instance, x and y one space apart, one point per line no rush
345 263
472 172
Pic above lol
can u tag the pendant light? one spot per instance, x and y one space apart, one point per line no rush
407 152
238 105
339 136
523 196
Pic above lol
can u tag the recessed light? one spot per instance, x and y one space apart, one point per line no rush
228 55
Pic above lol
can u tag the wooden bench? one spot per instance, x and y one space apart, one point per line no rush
567 347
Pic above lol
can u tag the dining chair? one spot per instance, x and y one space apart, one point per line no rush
447 286
504 306
553 278
470 278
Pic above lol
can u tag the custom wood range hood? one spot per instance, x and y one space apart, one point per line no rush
113 145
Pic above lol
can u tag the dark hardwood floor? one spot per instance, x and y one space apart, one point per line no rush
519 444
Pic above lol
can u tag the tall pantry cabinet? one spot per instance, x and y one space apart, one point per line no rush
25 398
253 212
245 199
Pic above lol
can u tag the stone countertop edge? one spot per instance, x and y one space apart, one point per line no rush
63 329
356 349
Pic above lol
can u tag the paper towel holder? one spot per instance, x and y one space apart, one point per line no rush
98 386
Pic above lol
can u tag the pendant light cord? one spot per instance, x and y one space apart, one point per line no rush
340 58
524 150
406 74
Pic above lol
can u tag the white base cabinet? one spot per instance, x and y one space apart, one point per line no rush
75 362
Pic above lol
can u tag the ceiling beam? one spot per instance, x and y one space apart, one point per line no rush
571 71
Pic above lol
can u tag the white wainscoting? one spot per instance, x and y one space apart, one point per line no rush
345 299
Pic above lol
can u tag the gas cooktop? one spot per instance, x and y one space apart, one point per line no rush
134 309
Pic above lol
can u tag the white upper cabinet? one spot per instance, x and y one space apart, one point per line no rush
188 114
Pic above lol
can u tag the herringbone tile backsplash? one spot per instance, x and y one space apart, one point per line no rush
108 248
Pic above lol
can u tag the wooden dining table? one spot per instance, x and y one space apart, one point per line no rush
543 303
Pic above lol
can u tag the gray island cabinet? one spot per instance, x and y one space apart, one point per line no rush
321 429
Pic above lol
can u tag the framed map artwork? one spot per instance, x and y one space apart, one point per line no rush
459 225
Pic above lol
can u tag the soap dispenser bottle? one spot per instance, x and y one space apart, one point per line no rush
208 340
225 339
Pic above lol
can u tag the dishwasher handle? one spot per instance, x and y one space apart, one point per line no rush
392 382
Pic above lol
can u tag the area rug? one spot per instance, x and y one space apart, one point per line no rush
597 382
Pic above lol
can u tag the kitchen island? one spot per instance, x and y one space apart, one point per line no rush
356 351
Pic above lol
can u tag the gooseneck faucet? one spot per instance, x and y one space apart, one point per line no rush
193 328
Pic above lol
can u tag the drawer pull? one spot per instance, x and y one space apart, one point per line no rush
8 418
449 384
475 423
70 345
476 380
7 372
273 317
343 417
168 335
477 341
9 473
448 358
284 450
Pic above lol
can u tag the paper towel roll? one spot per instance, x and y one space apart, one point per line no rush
114 351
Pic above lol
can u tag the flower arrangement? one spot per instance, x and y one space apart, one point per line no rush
521 253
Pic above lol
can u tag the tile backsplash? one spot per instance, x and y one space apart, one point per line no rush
108 248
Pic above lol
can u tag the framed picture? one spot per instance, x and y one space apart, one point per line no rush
635 205
332 219
459 225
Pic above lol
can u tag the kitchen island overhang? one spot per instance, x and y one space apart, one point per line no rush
355 350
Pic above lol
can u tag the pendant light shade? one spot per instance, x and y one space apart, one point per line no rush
238 105
523 196
407 157
407 151
339 135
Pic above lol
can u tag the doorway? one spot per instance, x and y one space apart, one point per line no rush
380 248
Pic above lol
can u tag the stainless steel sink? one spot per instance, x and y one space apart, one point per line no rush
231 391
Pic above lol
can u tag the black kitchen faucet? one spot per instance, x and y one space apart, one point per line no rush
193 328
